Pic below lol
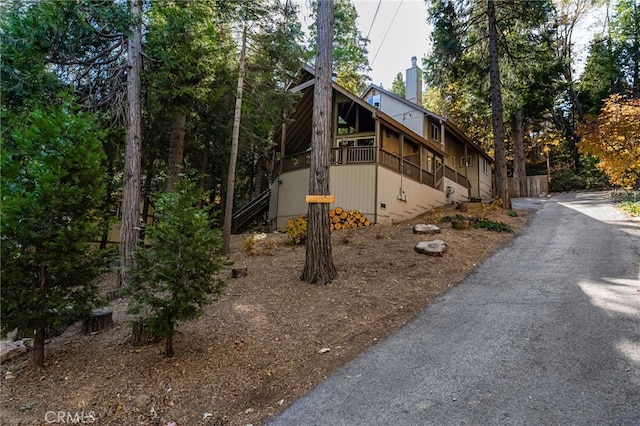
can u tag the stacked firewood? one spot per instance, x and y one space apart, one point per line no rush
347 219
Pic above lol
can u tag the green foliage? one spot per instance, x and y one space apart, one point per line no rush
178 272
48 44
512 213
479 222
350 60
398 85
297 230
52 183
566 180
602 75
628 201
449 219
491 225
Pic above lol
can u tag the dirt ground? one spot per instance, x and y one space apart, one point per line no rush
267 341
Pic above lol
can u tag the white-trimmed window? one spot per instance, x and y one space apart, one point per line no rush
485 166
435 132
468 162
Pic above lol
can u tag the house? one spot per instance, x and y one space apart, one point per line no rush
464 158
391 164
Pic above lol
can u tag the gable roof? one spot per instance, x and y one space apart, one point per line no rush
450 124
299 136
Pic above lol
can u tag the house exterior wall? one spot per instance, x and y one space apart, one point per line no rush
419 198
291 194
485 189
460 194
352 186
402 113
391 142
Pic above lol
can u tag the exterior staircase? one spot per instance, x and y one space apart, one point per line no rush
248 213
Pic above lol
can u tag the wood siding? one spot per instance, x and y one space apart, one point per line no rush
353 188
402 113
536 185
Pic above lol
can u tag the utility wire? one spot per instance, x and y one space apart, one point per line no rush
374 18
385 34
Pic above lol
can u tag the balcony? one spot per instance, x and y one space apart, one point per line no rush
353 155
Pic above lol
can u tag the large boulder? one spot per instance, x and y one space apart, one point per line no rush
10 350
424 229
431 248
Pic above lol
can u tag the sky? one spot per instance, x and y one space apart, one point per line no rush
400 31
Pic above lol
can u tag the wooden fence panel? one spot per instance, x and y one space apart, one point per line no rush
536 185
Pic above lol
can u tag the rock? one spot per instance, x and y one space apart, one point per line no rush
141 400
10 350
431 248
460 224
430 229
9 376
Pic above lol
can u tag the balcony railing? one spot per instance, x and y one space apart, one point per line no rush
459 178
349 155
353 155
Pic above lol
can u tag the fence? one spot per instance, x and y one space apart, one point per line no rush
535 186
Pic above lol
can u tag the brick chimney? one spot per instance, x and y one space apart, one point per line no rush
413 89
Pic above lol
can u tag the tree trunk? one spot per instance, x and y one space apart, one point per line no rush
502 185
176 149
107 207
233 157
40 331
131 190
146 201
203 166
519 165
319 267
168 348
635 51
38 347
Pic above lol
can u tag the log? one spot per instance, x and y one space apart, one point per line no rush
99 320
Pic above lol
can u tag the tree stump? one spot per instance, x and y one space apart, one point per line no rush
99 320
113 294
239 272
141 335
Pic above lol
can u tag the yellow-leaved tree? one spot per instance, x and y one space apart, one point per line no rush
614 138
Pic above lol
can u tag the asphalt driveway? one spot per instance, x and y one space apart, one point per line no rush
545 332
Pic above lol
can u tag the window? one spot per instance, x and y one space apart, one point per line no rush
355 142
374 101
485 166
467 163
435 132
427 159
